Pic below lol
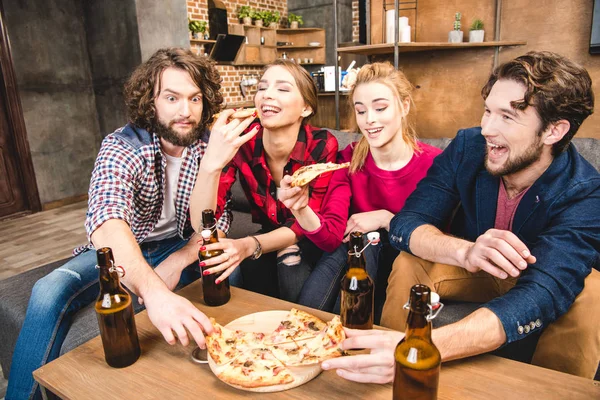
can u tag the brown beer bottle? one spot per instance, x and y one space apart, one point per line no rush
115 315
417 359
356 307
215 294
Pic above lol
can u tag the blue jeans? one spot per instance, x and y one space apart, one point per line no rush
55 299
322 288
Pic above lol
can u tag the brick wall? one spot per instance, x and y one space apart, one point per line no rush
198 10
355 20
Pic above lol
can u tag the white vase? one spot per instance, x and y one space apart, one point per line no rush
274 25
455 37
247 21
294 25
258 22
476 36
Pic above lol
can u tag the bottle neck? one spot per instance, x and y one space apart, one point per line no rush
109 281
418 325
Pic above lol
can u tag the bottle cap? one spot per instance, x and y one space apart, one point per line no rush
206 234
435 300
373 237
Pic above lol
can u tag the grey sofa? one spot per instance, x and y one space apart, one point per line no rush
15 291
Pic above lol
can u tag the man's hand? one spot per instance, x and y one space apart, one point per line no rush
367 222
499 253
234 252
294 198
174 316
225 140
376 367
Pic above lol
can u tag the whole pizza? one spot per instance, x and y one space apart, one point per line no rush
256 359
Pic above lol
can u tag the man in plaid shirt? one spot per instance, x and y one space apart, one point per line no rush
138 206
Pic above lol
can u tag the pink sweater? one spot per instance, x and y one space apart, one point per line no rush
369 189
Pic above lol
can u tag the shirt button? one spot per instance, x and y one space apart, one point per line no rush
532 325
520 330
527 329
272 193
272 214
538 323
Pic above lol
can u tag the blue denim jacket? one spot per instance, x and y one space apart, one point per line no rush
558 219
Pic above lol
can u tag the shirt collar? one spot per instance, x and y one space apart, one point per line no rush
298 153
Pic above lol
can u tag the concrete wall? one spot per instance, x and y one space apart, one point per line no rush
114 51
52 66
161 24
319 14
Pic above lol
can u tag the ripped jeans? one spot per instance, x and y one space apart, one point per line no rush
55 299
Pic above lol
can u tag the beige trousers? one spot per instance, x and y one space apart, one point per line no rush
578 330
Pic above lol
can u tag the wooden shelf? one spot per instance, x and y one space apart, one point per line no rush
294 47
412 47
298 30
202 41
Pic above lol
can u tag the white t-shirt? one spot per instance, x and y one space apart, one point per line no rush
166 226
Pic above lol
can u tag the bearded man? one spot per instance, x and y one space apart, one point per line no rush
138 206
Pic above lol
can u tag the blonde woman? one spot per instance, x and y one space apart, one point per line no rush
385 167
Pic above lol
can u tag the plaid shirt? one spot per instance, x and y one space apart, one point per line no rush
312 146
128 184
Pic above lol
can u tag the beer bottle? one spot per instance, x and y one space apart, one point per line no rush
115 315
215 294
417 359
356 307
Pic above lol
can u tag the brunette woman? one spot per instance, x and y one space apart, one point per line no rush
277 259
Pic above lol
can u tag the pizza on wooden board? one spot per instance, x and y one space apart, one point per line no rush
252 360
306 174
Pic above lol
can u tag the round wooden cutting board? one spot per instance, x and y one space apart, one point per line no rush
267 322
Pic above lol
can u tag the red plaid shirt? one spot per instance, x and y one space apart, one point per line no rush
312 146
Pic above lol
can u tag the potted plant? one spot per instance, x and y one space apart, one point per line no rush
295 20
476 33
245 14
194 28
257 17
456 35
274 19
203 29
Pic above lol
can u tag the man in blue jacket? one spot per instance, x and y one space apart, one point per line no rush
508 216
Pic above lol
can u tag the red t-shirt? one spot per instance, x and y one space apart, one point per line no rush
505 211
369 189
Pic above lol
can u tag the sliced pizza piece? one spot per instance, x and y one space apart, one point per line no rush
298 326
223 344
305 174
257 368
324 346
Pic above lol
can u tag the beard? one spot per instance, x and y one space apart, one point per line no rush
170 135
532 154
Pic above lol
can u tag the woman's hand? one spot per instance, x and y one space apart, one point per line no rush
368 222
375 367
225 140
294 198
234 252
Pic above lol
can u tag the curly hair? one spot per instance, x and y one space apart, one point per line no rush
556 87
144 82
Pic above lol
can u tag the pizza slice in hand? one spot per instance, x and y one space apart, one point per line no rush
324 346
304 175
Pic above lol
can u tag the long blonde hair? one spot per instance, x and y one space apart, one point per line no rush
384 73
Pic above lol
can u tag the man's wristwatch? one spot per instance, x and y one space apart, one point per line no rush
258 252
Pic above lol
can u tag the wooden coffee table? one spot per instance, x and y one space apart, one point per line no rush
166 372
